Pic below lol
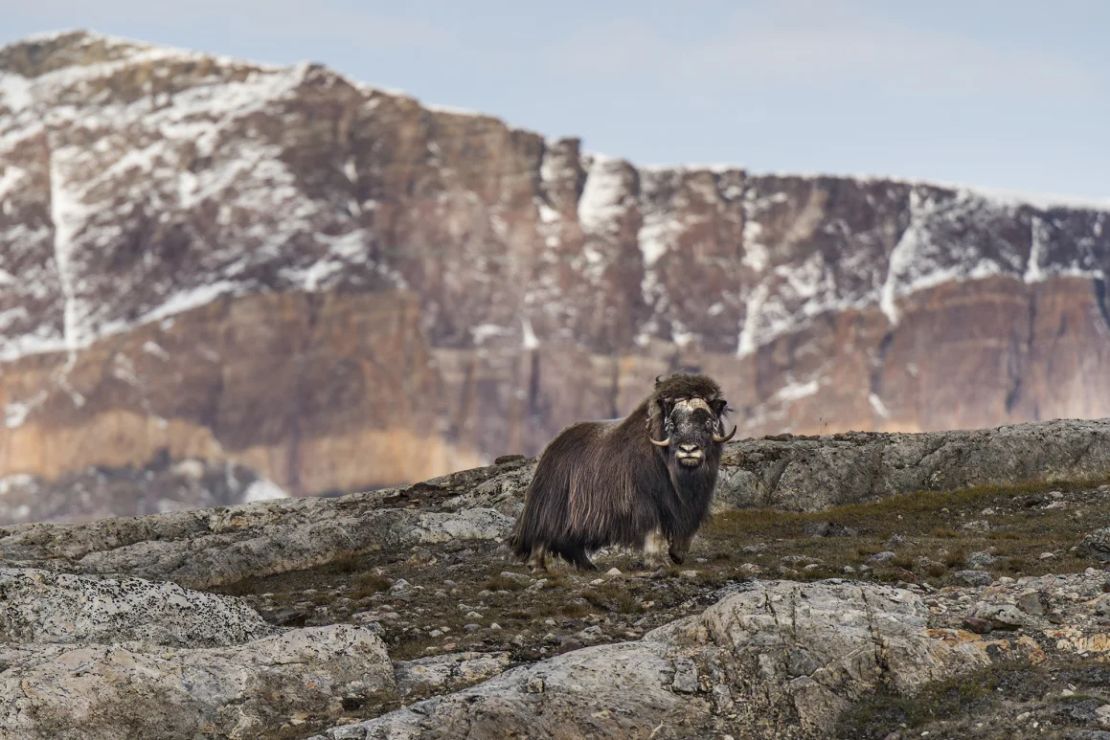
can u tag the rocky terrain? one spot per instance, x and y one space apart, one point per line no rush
336 287
946 585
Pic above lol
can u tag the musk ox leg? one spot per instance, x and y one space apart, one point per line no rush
577 557
678 549
655 544
537 561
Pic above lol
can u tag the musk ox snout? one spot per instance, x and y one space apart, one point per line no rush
689 455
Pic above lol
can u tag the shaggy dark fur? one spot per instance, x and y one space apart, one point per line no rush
605 483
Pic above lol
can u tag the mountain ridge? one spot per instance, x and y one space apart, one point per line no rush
339 287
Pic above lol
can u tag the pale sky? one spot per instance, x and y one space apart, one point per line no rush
1005 95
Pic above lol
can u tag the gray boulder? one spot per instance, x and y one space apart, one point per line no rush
772 659
135 690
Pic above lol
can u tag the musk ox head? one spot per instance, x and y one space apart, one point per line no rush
686 421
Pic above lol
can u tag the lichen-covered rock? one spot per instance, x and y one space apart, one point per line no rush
774 659
216 546
38 606
440 673
811 473
1097 544
135 690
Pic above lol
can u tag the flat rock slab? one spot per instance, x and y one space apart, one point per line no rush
39 606
440 673
217 546
812 473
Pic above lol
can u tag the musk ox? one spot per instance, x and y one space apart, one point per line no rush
627 482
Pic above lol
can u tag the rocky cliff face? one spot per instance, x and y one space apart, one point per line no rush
339 287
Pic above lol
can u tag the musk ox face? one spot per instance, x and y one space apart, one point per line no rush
693 427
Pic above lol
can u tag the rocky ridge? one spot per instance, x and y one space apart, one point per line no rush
339 288
841 606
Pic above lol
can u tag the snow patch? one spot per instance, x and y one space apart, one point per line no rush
878 406
603 197
263 490
153 348
528 336
482 332
15 91
14 483
16 413
796 391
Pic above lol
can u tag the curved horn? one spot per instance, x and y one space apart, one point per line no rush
719 439
660 443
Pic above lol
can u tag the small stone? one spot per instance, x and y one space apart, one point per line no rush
849 569
882 557
979 559
1102 605
1000 616
473 615
435 633
977 625
1103 715
471 627
750 569
685 677
1030 603
689 574
494 626
797 559
400 587
597 581
976 525
1097 544
613 572
535 685
973 577
828 529
1046 556
522 578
